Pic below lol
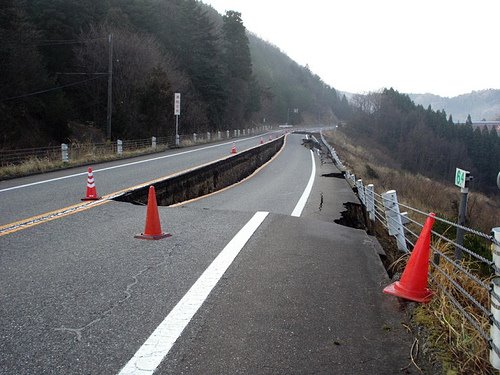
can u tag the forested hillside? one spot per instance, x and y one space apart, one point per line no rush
424 141
55 62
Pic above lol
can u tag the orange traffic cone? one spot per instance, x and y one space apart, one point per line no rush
413 282
91 190
261 141
233 149
152 230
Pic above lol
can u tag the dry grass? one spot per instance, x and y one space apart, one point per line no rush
453 340
456 342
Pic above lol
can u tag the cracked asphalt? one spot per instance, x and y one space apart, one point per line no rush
80 295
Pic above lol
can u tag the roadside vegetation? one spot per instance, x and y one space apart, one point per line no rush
450 339
87 154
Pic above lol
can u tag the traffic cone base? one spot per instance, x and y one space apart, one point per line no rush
413 283
92 198
143 236
233 149
152 229
398 290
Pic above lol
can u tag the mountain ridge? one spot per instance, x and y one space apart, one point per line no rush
480 104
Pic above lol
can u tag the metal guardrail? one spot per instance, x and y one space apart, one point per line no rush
385 209
75 151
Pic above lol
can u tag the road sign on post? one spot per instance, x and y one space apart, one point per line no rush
177 104
461 177
177 113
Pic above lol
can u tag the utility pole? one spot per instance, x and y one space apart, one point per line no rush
110 88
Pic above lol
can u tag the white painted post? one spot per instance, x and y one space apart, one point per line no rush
218 135
153 143
194 137
119 147
495 303
208 136
370 201
227 134
243 132
64 152
393 217
361 191
235 133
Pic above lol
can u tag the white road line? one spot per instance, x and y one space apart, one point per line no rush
124 165
151 353
297 211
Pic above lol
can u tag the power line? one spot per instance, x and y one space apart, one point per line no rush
51 89
51 42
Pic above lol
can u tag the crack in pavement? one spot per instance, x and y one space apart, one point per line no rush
128 293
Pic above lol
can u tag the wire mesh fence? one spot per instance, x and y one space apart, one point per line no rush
76 151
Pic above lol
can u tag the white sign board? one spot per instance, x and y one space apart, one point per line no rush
177 104
460 176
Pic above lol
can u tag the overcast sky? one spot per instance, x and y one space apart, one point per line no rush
443 47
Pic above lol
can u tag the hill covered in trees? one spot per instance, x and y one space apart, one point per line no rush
483 104
424 141
55 58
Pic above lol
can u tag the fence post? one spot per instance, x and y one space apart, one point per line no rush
370 201
495 303
393 217
119 147
361 191
64 152
153 143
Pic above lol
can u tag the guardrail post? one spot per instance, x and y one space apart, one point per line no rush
153 143
393 217
361 191
194 137
495 303
119 147
64 152
370 201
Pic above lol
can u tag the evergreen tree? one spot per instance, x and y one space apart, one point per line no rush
468 121
237 51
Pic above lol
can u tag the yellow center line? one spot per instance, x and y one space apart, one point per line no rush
79 207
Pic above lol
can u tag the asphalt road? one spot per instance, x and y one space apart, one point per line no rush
34 195
81 295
